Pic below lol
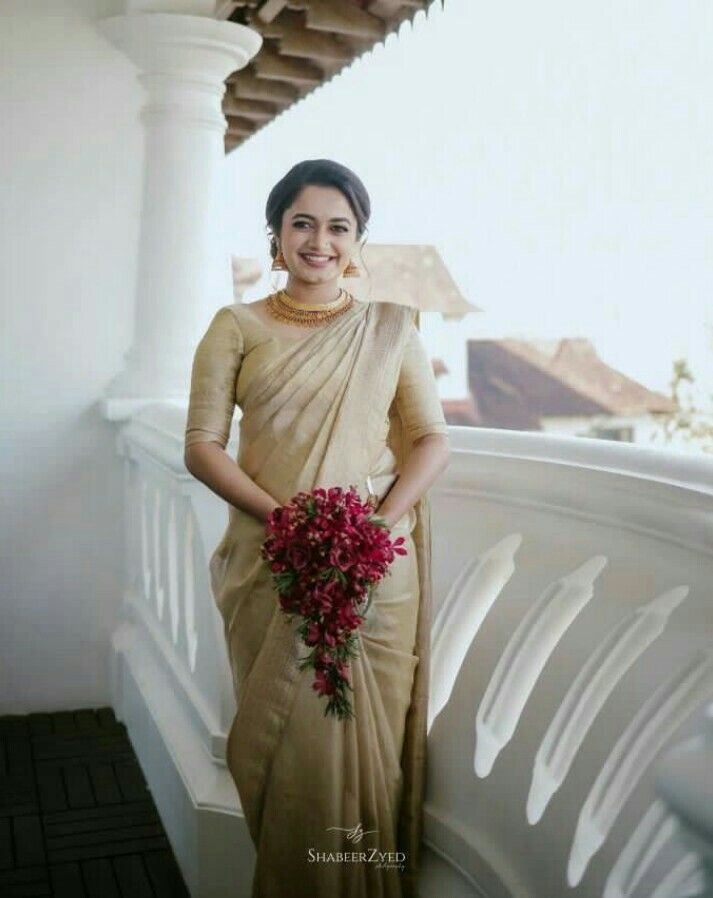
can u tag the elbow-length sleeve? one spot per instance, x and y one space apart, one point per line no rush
216 363
416 398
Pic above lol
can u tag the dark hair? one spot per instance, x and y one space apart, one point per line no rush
321 172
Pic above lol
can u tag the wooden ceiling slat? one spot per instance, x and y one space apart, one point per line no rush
314 45
411 4
270 9
225 8
256 110
278 27
239 126
270 65
246 85
343 17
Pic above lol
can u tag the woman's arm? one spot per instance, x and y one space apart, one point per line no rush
216 365
424 425
209 463
428 458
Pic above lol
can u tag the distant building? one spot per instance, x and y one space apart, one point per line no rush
556 385
415 275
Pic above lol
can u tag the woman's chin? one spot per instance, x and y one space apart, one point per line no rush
313 276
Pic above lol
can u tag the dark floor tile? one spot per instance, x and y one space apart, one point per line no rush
77 819
165 875
67 881
29 841
25 881
132 876
63 722
104 782
99 879
87 721
79 787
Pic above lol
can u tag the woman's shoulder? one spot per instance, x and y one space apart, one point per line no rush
396 310
226 325
238 316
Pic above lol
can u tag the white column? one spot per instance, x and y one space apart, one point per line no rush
183 62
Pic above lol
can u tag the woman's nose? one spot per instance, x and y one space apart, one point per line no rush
322 238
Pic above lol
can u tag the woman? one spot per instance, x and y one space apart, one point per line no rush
332 391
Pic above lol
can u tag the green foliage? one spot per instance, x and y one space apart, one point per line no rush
694 424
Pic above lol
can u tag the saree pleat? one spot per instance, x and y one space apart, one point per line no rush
314 416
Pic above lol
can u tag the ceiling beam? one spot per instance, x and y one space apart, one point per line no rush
344 17
246 85
240 126
270 9
270 65
280 26
257 110
232 141
309 44
225 8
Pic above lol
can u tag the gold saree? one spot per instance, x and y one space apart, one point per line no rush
334 808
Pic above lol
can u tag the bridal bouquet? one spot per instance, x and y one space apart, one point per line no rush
327 552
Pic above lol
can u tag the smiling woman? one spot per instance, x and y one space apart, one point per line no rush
314 230
352 402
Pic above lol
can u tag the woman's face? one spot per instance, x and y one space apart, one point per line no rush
318 235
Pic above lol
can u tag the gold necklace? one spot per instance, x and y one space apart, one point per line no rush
307 314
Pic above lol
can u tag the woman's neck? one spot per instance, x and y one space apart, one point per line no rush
303 292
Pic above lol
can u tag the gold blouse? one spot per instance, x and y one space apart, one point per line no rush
237 344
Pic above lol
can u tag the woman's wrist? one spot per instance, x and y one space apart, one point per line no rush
383 513
266 514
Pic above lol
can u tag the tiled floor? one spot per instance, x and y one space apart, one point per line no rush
76 817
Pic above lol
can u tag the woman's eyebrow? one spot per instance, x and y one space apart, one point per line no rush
306 215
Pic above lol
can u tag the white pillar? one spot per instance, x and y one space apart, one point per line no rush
183 62
445 339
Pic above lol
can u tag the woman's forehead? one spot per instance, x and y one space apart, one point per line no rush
321 201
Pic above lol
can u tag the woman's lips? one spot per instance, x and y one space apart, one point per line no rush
317 263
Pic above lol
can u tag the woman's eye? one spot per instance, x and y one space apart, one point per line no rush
340 228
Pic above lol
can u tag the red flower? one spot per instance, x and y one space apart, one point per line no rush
341 556
298 556
326 554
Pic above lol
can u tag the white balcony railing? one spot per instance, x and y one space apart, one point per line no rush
572 649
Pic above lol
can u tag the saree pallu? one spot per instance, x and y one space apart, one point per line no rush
334 808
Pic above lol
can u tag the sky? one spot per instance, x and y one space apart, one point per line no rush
558 155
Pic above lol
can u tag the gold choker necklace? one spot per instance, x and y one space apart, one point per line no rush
307 314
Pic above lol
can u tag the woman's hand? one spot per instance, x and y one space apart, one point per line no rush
429 455
266 514
211 464
383 518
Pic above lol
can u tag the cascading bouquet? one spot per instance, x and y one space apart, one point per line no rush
327 551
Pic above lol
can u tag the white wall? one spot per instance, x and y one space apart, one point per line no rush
70 157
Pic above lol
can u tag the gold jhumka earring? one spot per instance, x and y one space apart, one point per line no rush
279 263
351 271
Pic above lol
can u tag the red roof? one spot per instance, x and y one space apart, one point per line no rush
516 383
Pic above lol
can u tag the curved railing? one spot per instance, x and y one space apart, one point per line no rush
572 645
572 648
